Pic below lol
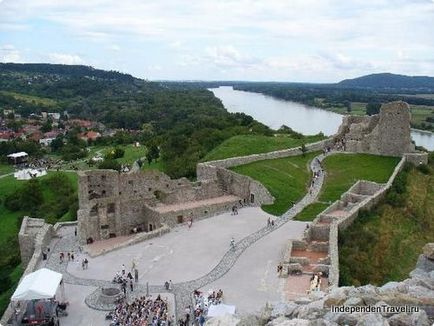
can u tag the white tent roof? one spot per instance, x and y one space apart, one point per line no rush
16 155
220 310
41 284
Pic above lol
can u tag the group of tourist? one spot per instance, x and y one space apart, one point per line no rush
142 311
126 279
315 282
70 255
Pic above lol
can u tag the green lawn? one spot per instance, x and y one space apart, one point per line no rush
253 144
343 170
286 178
310 212
6 168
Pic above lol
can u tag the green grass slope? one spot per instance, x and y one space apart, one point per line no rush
242 145
286 178
343 170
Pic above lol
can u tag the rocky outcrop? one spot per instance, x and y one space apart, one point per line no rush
410 302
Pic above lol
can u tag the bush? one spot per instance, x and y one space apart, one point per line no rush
424 169
115 153
109 164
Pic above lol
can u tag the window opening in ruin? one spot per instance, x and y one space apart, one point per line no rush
149 189
104 227
158 194
103 177
111 208
150 227
180 219
103 192
94 210
205 212
252 198
130 182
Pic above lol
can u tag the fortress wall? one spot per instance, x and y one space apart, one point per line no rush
241 160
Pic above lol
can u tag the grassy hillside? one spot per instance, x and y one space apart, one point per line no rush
343 170
384 245
254 144
286 179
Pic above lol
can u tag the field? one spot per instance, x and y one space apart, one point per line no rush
31 99
343 170
10 270
253 144
286 178
6 168
384 245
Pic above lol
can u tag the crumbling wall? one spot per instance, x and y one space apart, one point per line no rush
387 133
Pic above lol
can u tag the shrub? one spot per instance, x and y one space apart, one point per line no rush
424 169
109 164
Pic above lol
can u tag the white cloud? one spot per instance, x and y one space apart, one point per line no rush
320 40
8 53
64 58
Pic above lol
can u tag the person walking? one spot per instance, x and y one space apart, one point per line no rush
131 285
136 275
123 269
232 243
170 285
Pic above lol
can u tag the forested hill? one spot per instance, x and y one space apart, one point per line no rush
390 81
186 123
64 70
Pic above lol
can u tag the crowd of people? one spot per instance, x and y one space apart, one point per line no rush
126 279
143 311
203 301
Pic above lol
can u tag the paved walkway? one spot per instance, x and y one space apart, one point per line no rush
183 290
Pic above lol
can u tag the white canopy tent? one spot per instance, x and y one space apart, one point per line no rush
18 155
27 174
42 284
220 310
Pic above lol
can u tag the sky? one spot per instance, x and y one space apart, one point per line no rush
261 40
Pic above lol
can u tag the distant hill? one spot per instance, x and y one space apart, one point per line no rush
65 70
389 81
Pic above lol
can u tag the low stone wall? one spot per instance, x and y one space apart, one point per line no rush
143 236
417 158
241 160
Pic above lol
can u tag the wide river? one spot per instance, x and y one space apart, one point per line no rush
301 118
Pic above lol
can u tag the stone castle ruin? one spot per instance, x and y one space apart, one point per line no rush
113 204
386 133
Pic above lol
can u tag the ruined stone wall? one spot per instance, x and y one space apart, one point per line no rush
34 234
387 133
